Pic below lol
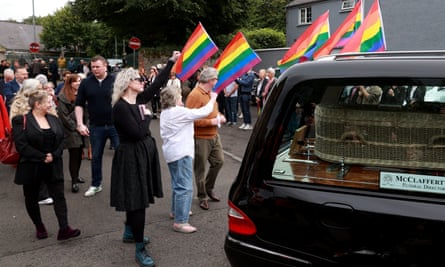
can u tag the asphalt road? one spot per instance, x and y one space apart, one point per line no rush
100 243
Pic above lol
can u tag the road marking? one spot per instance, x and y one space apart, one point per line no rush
233 156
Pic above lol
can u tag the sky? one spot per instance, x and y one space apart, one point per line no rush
21 9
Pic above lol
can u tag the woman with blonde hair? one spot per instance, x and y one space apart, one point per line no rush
20 104
135 172
38 137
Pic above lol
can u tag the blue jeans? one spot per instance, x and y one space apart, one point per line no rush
98 138
231 108
182 188
245 108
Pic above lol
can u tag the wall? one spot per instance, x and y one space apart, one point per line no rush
408 24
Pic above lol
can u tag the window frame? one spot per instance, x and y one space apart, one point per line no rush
304 19
347 5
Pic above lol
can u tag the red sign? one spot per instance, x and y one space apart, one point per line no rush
134 43
34 47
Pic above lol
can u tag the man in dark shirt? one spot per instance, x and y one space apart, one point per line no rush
245 83
8 75
11 88
96 90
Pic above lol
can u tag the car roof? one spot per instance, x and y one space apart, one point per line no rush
418 64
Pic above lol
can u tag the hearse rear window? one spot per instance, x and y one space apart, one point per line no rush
371 136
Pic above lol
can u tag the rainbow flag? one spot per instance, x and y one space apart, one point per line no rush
370 37
344 32
196 51
305 46
236 59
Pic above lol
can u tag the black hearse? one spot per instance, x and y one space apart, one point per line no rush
345 166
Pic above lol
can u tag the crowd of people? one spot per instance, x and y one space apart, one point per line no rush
90 106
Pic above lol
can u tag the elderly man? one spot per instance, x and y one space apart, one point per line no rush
8 75
208 145
11 88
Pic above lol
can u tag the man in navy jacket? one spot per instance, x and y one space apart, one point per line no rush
11 88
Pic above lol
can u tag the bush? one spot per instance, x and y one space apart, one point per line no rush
265 38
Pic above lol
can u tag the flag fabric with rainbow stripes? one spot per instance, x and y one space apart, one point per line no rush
305 46
197 50
236 59
370 37
344 32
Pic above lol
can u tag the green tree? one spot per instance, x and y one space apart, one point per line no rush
268 14
168 21
265 38
65 30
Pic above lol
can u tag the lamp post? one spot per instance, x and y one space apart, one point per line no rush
34 22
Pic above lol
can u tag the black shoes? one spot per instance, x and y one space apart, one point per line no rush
75 188
75 185
67 233
41 232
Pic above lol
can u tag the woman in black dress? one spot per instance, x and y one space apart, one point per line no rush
136 173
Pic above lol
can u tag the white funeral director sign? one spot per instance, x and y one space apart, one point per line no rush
412 182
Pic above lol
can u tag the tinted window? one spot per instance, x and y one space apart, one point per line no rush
377 135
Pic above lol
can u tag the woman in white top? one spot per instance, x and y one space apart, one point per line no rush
177 132
174 81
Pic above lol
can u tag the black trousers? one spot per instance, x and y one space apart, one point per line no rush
74 162
156 104
55 190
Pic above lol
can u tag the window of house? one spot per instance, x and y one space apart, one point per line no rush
305 15
347 4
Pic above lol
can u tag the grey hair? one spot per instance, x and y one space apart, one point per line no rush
121 83
42 78
170 96
28 85
207 74
20 103
271 70
7 72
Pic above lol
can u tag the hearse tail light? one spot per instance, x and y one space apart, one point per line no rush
239 223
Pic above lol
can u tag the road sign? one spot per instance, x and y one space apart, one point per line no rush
34 47
134 43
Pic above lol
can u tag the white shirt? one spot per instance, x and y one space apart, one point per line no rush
230 88
175 82
176 126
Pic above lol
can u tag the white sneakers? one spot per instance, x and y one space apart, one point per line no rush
248 127
245 127
47 201
93 190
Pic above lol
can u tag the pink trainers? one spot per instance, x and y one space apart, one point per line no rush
185 228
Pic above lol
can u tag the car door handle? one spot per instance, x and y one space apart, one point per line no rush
337 215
